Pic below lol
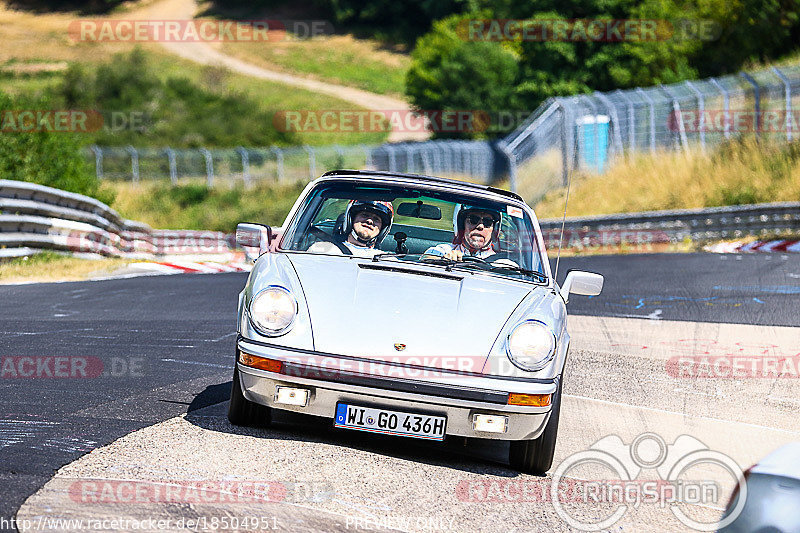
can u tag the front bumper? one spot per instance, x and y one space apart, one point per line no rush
456 396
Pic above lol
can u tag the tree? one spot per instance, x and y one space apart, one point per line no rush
449 73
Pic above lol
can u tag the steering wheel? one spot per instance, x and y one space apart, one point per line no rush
474 259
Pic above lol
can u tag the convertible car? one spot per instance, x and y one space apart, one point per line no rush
407 305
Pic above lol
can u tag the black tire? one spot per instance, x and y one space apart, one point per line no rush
536 456
243 412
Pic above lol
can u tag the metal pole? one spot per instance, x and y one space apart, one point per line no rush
209 166
98 160
676 108
367 156
612 111
340 152
650 101
278 161
409 158
512 165
788 95
173 168
726 102
134 163
701 108
564 147
631 121
312 161
426 159
757 103
245 165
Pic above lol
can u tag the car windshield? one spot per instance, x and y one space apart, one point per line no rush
450 230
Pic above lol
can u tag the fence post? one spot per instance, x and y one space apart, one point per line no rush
676 108
340 152
631 121
209 167
367 156
612 111
788 95
650 101
564 147
426 160
757 98
312 161
726 102
278 161
245 165
98 160
392 160
701 107
409 159
134 163
173 168
512 166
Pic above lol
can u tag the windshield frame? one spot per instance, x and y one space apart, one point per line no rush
294 215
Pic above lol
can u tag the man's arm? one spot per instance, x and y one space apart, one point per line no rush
445 251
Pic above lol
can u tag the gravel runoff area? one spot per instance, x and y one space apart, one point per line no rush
322 479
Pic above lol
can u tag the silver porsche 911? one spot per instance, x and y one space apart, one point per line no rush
407 305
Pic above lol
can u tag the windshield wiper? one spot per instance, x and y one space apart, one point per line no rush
377 257
511 268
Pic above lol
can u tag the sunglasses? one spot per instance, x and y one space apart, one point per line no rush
488 222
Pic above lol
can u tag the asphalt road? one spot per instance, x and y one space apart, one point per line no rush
759 289
163 345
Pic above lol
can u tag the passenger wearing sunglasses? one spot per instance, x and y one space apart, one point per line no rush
476 232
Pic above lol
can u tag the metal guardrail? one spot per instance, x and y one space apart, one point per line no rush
36 217
677 225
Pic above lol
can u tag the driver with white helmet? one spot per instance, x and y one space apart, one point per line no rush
476 230
364 226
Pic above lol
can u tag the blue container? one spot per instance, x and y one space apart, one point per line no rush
593 142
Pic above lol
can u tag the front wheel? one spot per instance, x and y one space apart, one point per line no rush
243 412
536 456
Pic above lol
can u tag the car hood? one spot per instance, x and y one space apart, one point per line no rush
363 309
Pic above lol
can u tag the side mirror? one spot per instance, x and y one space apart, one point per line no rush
578 282
258 236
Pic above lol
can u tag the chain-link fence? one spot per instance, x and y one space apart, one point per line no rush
243 166
586 132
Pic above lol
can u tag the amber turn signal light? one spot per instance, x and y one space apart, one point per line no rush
261 363
532 400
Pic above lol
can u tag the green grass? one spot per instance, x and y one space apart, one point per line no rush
196 206
338 59
742 171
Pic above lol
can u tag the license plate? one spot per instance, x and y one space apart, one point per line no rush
390 422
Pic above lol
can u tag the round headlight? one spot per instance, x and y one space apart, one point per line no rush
272 311
531 345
